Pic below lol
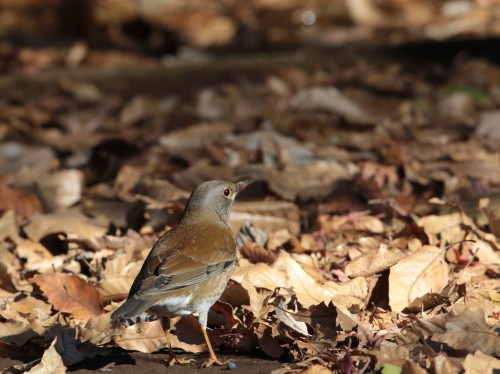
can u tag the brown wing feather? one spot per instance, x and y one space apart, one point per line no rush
179 259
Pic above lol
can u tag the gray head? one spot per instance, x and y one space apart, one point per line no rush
213 199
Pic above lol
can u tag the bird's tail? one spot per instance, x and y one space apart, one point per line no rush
131 308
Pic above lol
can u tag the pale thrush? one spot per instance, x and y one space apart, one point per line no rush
189 266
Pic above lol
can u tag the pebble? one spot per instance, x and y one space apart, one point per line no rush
231 365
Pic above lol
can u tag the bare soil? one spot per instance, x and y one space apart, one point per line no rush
123 362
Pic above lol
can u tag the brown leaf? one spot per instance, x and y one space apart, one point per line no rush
51 362
98 330
268 216
8 227
468 331
268 341
71 222
373 262
14 332
22 202
287 317
255 253
37 257
226 310
114 288
445 365
416 275
479 363
70 294
143 337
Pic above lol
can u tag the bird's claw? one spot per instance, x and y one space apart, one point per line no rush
174 360
213 361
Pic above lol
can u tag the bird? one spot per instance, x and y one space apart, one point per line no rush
189 266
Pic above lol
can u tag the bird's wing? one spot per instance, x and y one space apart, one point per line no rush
184 259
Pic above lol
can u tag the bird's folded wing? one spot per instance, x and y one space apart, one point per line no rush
179 271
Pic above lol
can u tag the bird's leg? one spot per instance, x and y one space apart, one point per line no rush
172 358
213 358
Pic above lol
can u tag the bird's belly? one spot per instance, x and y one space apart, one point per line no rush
194 299
178 305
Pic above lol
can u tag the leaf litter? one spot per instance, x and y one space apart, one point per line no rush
369 240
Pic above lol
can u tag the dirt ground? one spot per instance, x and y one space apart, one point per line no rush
123 362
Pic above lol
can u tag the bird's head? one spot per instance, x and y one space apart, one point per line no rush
213 197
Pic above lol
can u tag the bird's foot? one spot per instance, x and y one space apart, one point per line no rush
213 360
174 360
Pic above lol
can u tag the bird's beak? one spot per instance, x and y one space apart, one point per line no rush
244 184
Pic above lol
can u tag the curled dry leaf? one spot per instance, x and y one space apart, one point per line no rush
115 288
465 330
67 345
98 330
71 294
284 315
37 257
421 273
26 309
255 253
373 262
51 362
15 332
268 340
309 292
143 337
468 331
287 272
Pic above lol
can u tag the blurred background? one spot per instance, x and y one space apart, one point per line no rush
32 31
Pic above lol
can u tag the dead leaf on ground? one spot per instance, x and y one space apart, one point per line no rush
423 272
255 253
143 337
480 363
22 202
71 222
70 294
373 262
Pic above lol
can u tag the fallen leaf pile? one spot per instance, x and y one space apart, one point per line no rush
369 240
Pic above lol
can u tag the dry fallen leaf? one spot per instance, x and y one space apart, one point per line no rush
70 294
13 332
72 222
480 363
373 262
51 362
22 202
143 337
255 253
468 331
423 272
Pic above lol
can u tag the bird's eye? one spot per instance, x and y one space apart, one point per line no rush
227 192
